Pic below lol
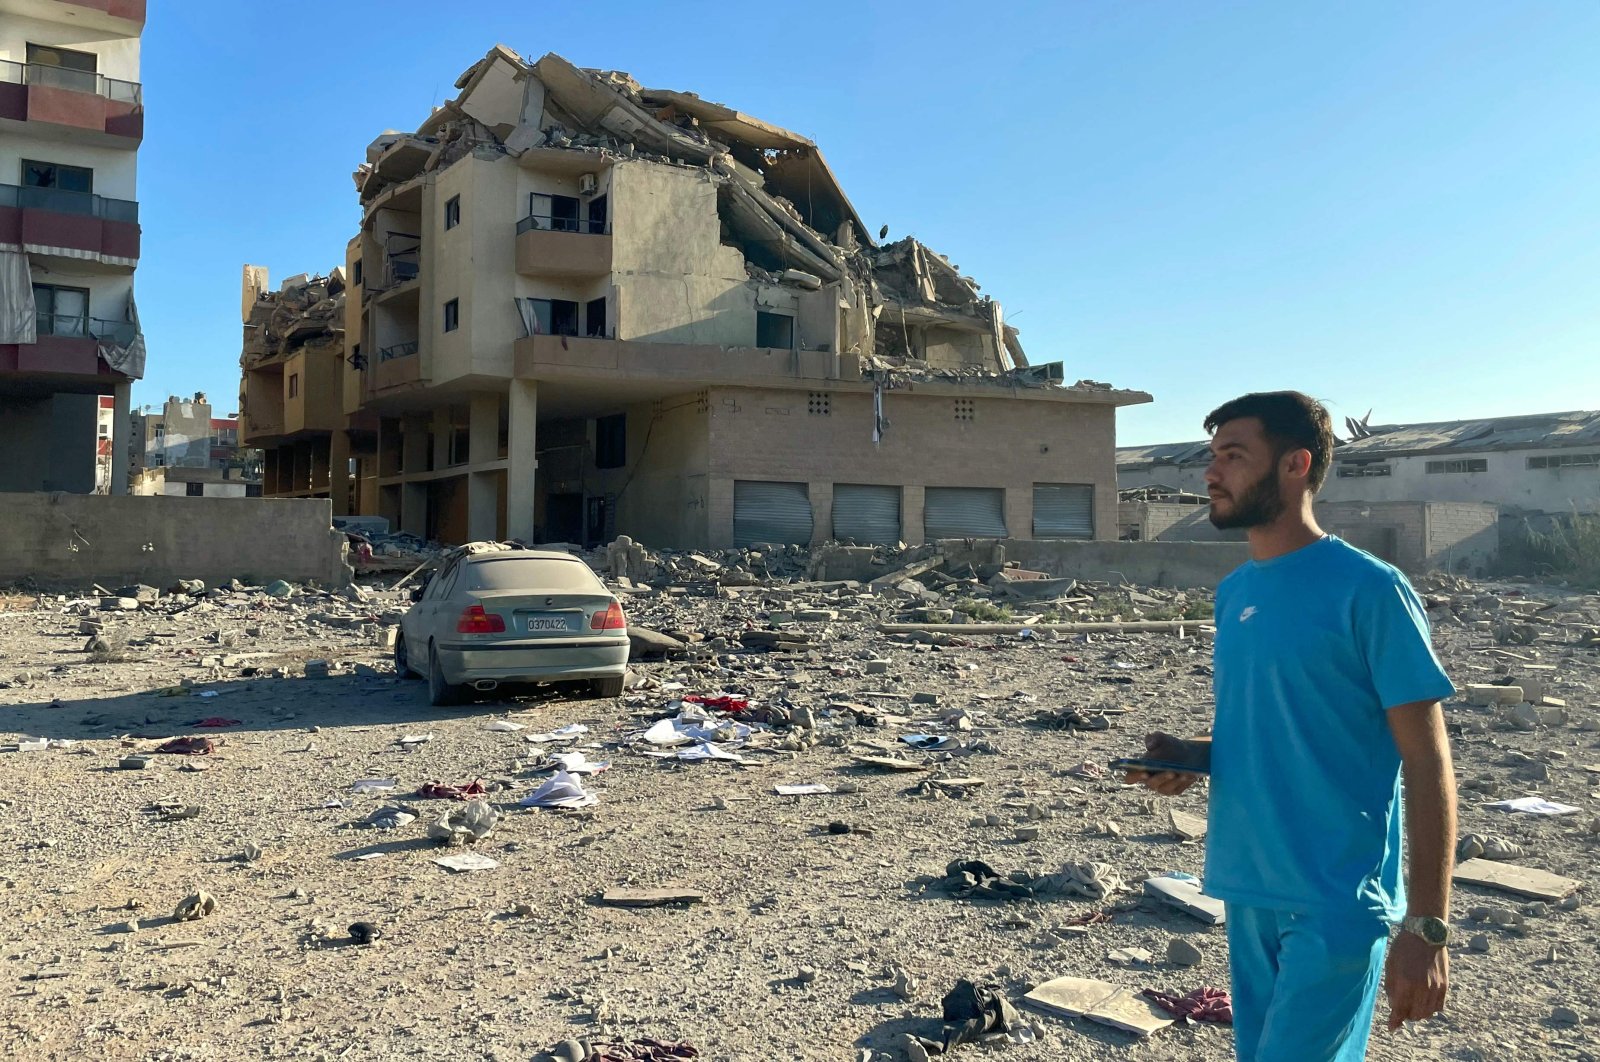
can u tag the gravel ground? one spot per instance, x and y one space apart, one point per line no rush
790 954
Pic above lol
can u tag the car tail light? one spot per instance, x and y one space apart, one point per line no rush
474 620
611 619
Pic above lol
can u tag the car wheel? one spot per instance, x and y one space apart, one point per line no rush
608 688
440 692
402 664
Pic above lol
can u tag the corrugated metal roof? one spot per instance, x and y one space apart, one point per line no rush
1538 431
1533 432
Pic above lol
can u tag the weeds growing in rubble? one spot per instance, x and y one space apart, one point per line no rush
1570 550
984 612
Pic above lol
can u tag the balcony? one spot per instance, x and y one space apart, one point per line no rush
563 247
123 17
50 220
76 100
399 366
66 346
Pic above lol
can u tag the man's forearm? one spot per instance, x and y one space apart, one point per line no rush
1430 828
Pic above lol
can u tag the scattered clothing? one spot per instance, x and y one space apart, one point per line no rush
188 746
440 791
973 1011
1203 1004
645 1050
722 702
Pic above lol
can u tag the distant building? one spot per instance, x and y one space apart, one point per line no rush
105 429
184 435
1545 463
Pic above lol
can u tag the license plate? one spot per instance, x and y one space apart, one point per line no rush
546 622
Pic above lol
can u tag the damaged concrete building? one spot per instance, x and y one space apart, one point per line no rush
578 307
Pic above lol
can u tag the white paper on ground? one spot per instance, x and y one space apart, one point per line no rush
562 790
374 785
504 726
466 861
708 750
1533 805
578 763
415 739
803 789
571 732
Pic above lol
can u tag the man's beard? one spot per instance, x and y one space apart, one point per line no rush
1259 504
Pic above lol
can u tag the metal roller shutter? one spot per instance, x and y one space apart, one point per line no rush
866 513
1063 510
964 512
779 513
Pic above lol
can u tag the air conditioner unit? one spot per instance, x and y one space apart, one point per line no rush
587 182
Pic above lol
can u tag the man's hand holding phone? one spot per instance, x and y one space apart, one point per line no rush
1195 753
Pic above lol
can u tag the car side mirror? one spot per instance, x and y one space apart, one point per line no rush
416 594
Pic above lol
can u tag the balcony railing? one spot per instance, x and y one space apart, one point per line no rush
548 223
65 202
60 77
71 326
399 350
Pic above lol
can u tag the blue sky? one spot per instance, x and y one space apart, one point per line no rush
1390 206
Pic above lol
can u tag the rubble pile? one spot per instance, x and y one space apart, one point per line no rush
841 785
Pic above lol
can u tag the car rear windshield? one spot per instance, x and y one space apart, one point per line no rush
531 573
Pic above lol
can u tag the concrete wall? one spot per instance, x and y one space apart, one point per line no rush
1011 442
674 279
1419 536
1173 564
1170 522
66 539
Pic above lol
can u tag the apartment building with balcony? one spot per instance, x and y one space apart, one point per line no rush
71 120
577 308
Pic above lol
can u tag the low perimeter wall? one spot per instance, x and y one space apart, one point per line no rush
78 539
1170 564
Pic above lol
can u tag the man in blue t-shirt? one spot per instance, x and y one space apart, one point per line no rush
1327 696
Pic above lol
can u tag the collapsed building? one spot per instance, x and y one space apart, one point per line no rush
578 307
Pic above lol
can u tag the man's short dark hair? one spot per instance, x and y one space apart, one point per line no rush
1290 421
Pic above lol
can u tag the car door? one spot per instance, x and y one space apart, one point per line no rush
421 622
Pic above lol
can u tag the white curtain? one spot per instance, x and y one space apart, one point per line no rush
18 315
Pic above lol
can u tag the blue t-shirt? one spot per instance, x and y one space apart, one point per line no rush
1311 650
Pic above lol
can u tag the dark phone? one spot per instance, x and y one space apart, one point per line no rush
1139 763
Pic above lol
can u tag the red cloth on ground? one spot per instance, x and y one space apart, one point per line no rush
1203 1004
725 703
217 721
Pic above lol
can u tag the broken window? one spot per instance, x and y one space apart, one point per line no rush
294 385
62 68
452 212
556 212
1557 461
611 441
37 174
598 219
61 311
594 318
1465 464
452 315
555 317
355 273
774 330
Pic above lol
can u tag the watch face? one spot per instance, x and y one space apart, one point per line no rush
1433 930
